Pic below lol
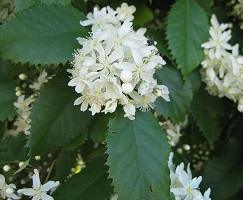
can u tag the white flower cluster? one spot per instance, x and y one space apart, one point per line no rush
223 66
238 10
183 186
173 131
116 65
24 105
37 192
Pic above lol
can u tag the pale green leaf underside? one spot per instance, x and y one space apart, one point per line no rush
137 156
55 120
45 34
187 29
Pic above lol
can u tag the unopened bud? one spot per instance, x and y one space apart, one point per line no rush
126 76
6 168
23 77
18 93
127 88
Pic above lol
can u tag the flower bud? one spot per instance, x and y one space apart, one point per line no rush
18 93
127 88
126 76
6 168
23 77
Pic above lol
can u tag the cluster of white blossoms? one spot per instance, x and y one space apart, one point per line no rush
223 65
37 192
238 10
183 186
173 131
24 104
116 65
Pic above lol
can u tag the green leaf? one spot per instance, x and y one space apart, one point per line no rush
55 121
143 15
12 149
43 35
65 161
187 29
137 156
206 5
223 172
7 71
24 4
180 95
206 110
90 184
7 100
99 127
2 129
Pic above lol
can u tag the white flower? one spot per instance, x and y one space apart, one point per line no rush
173 131
223 66
116 65
42 78
7 191
125 12
23 106
219 37
183 186
39 191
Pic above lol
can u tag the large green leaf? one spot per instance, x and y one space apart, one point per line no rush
223 171
137 156
45 34
7 71
187 29
90 184
12 149
206 110
180 95
24 4
55 120
98 127
7 100
65 161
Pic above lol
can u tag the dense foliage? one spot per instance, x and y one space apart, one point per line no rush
92 105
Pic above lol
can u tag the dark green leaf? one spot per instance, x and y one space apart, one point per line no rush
206 110
43 35
65 161
90 184
24 4
12 149
180 95
187 29
55 120
98 128
2 129
224 171
137 156
143 15
7 100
